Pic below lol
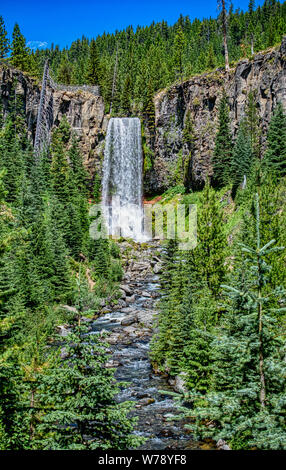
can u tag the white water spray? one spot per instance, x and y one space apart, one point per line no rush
122 185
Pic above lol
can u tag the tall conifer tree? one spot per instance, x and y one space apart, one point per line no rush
4 41
222 156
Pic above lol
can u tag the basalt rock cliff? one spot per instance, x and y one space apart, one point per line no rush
83 107
264 74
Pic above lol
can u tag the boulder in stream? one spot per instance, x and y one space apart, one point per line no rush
126 289
127 321
157 268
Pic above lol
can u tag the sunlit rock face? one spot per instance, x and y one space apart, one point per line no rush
83 107
265 75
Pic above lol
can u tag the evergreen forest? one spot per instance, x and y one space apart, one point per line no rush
220 324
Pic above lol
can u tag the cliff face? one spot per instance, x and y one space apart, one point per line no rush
83 107
265 74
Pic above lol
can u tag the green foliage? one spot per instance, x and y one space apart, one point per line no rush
179 44
43 232
275 156
211 58
64 72
242 157
149 111
126 97
19 51
188 310
77 401
244 402
208 258
252 122
4 41
222 156
93 68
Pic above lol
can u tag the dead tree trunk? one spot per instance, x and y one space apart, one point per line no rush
222 3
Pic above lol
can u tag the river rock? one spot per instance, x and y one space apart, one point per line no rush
158 268
130 300
106 310
62 330
122 293
69 308
129 330
140 266
64 353
127 321
126 289
179 384
127 310
141 395
111 364
145 294
113 338
87 320
146 401
222 445
145 317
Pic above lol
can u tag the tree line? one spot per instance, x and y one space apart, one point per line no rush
131 65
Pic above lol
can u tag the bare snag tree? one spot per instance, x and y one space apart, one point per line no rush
222 7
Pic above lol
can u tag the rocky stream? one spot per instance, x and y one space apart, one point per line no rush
130 328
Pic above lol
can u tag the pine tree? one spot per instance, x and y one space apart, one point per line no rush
207 260
126 97
211 59
197 361
179 45
189 141
4 41
80 175
272 216
93 71
242 158
160 340
97 188
149 112
222 156
51 255
80 411
12 311
64 73
275 155
178 331
247 401
19 53
252 124
12 160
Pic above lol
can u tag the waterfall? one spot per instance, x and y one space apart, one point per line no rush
122 179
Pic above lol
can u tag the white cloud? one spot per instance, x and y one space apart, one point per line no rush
37 44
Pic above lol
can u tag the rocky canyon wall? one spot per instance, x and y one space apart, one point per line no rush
83 107
265 74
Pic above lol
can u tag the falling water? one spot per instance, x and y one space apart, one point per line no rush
122 179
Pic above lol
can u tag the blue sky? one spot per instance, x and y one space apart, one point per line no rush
64 21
